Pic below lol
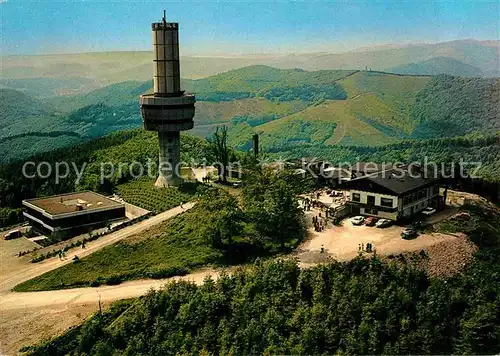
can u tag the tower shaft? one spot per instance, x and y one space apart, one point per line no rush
170 154
168 110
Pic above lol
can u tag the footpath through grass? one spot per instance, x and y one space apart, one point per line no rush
219 230
171 248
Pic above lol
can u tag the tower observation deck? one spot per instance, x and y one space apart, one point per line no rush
168 110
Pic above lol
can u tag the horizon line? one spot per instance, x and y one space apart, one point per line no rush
361 49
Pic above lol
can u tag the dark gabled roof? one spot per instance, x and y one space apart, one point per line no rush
398 180
369 167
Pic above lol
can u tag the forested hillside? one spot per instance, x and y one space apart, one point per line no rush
364 306
286 107
438 65
451 106
16 106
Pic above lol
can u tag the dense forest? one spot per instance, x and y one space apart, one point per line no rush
452 106
364 306
139 145
348 108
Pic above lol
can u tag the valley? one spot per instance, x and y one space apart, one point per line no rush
267 239
286 107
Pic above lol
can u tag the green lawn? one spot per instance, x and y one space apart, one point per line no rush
171 248
142 192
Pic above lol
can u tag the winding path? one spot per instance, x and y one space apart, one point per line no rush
77 296
33 270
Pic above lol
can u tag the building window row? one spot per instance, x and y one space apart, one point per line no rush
387 202
370 200
418 195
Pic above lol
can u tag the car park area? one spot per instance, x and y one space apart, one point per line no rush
345 241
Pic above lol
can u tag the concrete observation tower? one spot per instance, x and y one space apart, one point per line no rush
168 110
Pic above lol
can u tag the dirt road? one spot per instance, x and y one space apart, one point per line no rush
27 318
68 297
10 280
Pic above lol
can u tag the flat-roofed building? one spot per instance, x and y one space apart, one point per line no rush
73 213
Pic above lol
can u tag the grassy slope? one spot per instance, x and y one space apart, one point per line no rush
329 123
376 112
256 78
211 114
170 248
384 98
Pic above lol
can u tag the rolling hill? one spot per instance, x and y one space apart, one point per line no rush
66 74
17 105
438 65
287 107
480 54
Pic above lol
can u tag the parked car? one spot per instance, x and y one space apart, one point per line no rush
371 221
409 233
12 234
357 220
383 223
428 211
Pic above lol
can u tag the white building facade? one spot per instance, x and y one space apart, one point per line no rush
392 198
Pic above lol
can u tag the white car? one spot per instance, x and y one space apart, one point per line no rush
357 220
428 211
383 223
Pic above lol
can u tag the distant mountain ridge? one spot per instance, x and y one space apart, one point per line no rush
65 74
438 65
289 108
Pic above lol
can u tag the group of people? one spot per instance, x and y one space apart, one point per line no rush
205 179
307 204
319 224
369 247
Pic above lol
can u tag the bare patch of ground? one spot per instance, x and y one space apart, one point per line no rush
448 258
344 242
28 326
9 250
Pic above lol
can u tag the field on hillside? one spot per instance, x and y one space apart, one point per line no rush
143 193
328 123
260 80
376 112
288 107
253 111
383 98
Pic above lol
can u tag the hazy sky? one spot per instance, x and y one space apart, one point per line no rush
211 27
